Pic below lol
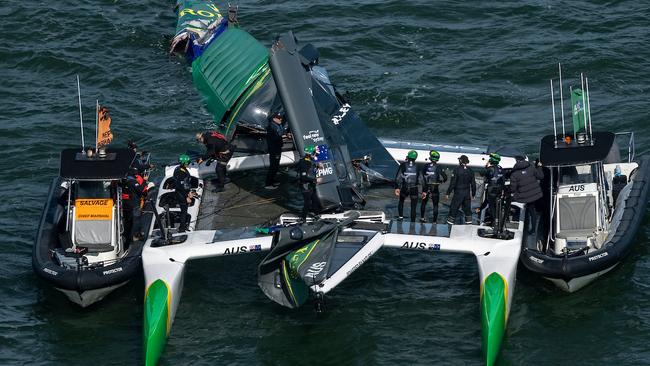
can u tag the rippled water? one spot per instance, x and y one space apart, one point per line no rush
455 71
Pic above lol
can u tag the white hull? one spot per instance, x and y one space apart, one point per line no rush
577 283
87 298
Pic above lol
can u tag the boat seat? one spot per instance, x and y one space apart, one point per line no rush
577 216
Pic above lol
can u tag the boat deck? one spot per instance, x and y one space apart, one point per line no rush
245 203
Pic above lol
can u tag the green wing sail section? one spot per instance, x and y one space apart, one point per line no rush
195 16
226 70
579 111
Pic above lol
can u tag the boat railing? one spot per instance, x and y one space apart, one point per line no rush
631 151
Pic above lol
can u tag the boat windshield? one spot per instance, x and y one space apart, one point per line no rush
578 174
94 189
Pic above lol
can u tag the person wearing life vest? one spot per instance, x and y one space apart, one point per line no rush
218 148
183 189
406 184
432 175
495 183
274 132
307 180
132 190
463 186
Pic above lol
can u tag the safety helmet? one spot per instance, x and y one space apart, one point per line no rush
434 155
310 149
184 159
463 159
495 158
412 155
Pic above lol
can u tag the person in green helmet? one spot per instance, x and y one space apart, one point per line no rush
307 180
406 184
432 175
494 180
183 189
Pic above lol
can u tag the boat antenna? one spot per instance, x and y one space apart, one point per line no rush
591 133
81 118
584 101
96 123
554 125
559 66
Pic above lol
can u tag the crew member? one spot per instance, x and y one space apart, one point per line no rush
216 147
495 182
525 188
307 180
406 184
274 133
132 191
618 183
182 187
139 163
432 176
463 185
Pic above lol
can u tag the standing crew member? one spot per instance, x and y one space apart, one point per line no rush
495 182
525 188
274 132
216 147
618 183
406 184
307 180
432 176
132 191
463 185
182 187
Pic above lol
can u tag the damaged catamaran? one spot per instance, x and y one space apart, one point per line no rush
304 260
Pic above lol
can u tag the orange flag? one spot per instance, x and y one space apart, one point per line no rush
104 134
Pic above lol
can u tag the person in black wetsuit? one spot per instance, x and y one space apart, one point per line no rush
463 185
182 187
274 132
618 183
218 148
132 191
432 175
406 184
495 182
307 180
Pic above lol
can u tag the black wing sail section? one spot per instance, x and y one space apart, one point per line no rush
341 120
293 82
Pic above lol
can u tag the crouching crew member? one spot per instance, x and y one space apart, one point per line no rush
406 184
432 176
182 187
463 185
218 148
495 182
307 180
